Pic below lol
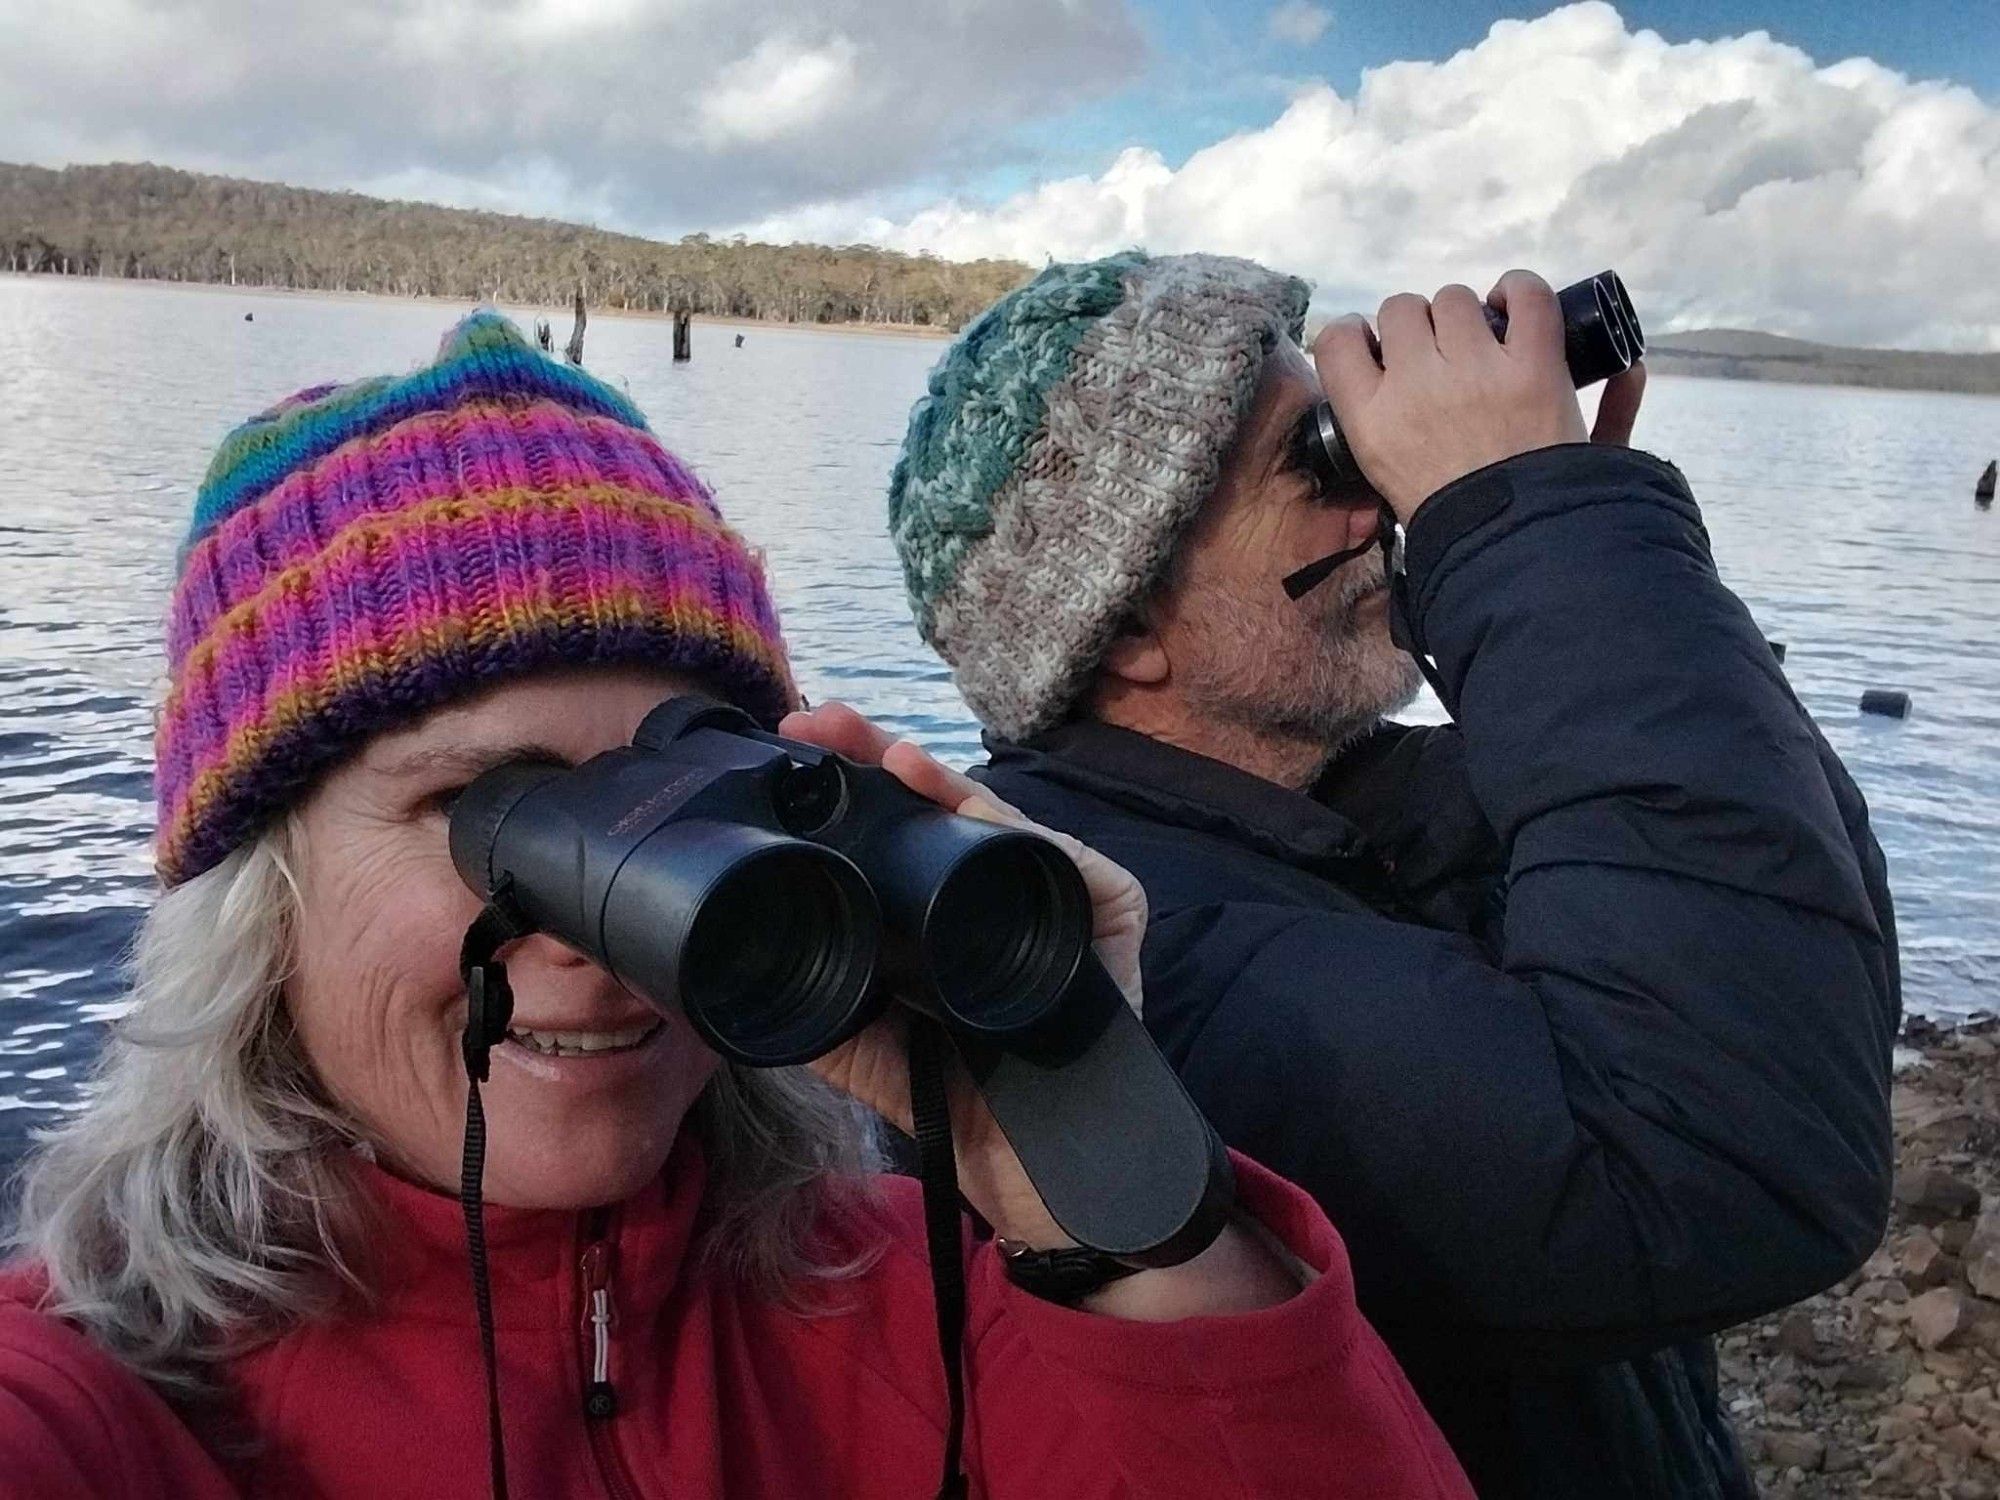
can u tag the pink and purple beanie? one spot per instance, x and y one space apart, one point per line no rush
361 554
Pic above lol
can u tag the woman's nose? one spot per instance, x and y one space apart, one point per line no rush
541 950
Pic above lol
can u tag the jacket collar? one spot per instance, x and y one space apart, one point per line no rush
1165 783
421 1268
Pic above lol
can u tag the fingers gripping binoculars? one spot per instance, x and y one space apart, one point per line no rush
781 896
1601 338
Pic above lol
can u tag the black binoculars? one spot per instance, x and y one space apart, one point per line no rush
1601 338
781 896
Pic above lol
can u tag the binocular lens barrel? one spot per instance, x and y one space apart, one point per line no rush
985 925
767 943
1004 935
1624 313
1594 344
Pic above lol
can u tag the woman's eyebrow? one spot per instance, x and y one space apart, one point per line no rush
467 761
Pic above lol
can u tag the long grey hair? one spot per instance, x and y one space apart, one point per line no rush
201 1202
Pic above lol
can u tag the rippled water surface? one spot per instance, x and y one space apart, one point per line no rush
1844 517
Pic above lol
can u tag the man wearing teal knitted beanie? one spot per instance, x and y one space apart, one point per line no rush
1575 1012
1071 437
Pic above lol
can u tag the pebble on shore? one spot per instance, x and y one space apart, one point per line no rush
1888 1385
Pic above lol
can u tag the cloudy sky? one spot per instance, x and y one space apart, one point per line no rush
1827 168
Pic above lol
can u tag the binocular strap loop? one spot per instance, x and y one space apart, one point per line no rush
489 999
930 1118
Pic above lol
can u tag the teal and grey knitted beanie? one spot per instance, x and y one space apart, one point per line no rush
1067 439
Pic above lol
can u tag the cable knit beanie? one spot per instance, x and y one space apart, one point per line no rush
1067 440
361 554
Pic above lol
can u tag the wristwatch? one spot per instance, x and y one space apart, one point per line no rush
1061 1276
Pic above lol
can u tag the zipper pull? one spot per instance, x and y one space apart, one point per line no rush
600 1400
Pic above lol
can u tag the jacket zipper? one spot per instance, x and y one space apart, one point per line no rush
600 1396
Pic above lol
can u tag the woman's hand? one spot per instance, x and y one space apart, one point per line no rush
1242 1270
873 1067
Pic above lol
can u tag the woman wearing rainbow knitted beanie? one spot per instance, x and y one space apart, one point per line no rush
246 1274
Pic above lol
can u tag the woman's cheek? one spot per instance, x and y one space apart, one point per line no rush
378 975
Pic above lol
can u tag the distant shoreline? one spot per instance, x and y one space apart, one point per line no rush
1783 362
1694 364
559 316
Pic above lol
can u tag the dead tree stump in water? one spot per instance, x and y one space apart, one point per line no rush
1982 492
683 335
544 338
574 353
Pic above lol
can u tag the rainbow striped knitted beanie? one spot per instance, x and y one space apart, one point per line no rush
1068 438
363 553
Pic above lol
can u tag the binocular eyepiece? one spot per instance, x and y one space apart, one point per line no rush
773 891
1601 338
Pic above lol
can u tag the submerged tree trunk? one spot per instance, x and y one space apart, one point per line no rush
574 353
683 336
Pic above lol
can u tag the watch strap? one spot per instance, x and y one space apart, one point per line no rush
1064 1276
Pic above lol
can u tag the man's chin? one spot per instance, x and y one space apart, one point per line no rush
1404 692
1384 677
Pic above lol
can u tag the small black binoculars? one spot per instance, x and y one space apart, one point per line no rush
780 896
1601 338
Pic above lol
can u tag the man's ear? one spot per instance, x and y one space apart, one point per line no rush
1137 656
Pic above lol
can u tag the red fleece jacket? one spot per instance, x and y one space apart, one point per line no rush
721 1392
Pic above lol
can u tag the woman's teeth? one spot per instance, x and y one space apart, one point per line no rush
580 1043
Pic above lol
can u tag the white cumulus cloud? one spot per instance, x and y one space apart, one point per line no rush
781 89
1734 182
1299 23
654 115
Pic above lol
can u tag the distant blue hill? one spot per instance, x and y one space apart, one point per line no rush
1738 354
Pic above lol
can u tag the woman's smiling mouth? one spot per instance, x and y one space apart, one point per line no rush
548 1043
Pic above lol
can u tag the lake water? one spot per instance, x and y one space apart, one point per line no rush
1843 517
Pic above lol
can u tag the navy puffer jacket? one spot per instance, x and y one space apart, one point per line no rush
1576 1014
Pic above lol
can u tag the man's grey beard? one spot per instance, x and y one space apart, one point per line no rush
1265 671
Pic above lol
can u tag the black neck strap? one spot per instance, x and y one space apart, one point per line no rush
937 1166
489 1005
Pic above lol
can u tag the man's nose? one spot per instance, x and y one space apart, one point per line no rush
1363 514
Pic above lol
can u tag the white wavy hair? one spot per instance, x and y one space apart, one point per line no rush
201 1202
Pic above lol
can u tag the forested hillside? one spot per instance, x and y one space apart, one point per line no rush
145 221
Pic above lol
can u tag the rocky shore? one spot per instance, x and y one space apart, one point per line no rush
1888 1385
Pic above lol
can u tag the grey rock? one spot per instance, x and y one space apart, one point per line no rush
1938 1317
1934 1190
1794 1450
